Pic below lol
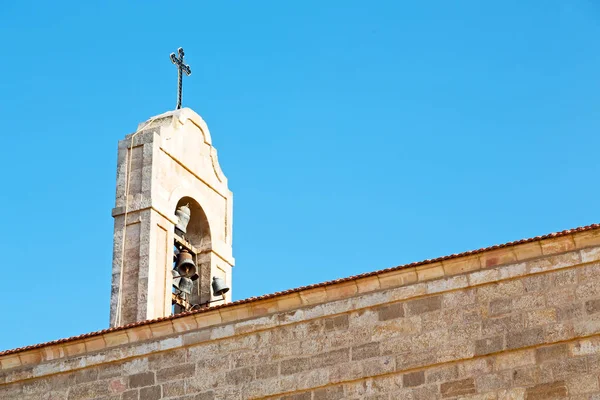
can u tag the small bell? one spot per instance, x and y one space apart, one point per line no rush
219 287
185 266
183 214
176 279
185 285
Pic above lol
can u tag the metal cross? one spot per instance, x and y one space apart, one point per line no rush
181 67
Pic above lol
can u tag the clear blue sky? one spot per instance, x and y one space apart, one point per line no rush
355 135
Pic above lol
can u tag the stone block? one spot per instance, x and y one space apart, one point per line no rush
118 338
133 394
391 311
141 380
430 271
176 372
512 270
567 367
590 254
329 393
441 373
494 381
165 359
515 359
85 375
583 347
95 343
424 305
461 265
9 362
557 245
527 251
499 307
164 328
587 239
90 390
207 319
240 376
458 388
313 296
540 317
554 262
151 393
502 256
489 345
582 384
528 337
292 366
368 284
173 389
236 313
74 348
547 391
592 306
264 371
31 357
413 379
289 302
337 322
184 324
139 333
401 277
367 350
504 289
264 307
341 290
330 358
445 284
484 276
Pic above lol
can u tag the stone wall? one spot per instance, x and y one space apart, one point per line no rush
519 322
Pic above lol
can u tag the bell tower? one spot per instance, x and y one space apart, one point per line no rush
173 218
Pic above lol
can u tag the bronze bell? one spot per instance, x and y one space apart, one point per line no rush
185 266
183 285
183 214
219 286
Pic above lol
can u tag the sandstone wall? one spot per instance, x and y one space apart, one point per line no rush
520 322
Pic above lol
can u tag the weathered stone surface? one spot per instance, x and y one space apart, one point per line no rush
143 379
391 311
515 334
458 388
413 379
547 391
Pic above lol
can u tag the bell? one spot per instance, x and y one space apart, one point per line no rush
176 279
183 214
219 287
185 285
185 266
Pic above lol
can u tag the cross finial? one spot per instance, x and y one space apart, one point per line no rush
181 67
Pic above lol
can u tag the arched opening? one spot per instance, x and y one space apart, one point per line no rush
197 234
198 230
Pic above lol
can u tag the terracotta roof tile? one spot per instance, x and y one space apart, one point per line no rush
298 289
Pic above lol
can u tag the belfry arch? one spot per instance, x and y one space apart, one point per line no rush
198 235
198 229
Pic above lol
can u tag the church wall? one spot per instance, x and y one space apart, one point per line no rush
519 322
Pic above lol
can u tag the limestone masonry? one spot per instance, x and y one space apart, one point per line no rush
168 162
516 321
